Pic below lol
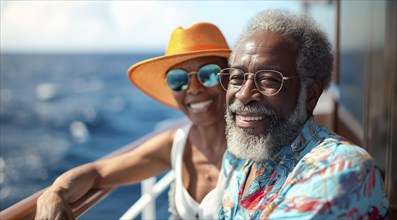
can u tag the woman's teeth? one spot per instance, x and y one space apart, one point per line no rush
200 105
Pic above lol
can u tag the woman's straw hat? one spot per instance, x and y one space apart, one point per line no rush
200 40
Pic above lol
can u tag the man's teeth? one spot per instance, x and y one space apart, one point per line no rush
250 118
201 105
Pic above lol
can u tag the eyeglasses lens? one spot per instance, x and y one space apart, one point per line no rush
177 79
268 82
232 79
208 75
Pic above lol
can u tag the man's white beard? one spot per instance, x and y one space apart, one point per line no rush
244 145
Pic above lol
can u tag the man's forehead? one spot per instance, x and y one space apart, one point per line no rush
265 43
252 43
251 47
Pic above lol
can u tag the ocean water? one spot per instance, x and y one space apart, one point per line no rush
62 110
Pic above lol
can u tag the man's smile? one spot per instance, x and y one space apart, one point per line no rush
249 120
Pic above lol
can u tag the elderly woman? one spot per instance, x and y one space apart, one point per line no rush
186 77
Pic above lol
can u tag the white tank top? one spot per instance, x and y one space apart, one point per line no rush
185 205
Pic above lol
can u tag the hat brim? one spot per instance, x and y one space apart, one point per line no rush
149 75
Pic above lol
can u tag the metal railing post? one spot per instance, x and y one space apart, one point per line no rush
153 191
149 212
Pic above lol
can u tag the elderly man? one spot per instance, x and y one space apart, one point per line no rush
280 163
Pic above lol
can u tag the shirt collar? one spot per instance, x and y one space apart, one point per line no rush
307 133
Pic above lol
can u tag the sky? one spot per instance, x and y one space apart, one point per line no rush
122 26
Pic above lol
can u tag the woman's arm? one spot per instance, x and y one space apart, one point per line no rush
149 159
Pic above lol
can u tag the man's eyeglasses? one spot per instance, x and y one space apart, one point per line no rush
178 79
268 82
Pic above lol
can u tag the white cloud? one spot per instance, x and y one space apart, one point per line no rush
147 24
35 24
117 25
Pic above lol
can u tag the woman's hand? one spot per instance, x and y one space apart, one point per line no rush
150 159
51 206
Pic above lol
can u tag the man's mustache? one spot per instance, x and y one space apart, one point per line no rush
252 108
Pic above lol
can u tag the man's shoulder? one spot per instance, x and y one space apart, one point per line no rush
335 151
333 159
339 147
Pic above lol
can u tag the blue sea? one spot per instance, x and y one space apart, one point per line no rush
62 110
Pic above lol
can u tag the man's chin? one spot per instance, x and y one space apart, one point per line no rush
244 144
246 131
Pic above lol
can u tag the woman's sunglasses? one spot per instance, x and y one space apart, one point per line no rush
178 79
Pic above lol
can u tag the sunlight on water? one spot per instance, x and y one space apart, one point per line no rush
79 132
45 91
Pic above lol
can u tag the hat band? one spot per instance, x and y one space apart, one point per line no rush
207 47
196 48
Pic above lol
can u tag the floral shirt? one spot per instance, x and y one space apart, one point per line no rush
319 176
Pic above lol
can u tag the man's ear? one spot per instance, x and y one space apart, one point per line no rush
314 91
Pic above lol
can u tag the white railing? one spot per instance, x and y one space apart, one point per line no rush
150 190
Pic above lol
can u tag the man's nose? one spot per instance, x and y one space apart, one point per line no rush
248 91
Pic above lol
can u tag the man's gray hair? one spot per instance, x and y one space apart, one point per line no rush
315 58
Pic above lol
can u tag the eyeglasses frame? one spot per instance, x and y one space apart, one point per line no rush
255 82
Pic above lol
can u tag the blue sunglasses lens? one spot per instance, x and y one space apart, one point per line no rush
178 79
208 75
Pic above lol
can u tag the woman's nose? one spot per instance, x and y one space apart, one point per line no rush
194 85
